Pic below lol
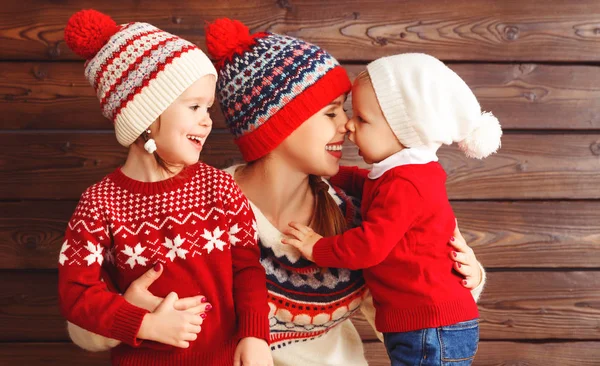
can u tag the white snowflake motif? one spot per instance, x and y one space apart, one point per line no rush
95 253
213 240
233 240
174 247
62 258
134 255
255 227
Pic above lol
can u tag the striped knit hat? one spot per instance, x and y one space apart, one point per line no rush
136 69
269 84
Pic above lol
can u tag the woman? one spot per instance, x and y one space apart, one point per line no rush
283 100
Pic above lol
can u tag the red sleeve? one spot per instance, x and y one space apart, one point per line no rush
396 206
85 299
249 279
351 179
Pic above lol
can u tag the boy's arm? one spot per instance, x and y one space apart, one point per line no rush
380 231
351 179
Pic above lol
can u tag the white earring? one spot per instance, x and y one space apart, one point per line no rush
150 145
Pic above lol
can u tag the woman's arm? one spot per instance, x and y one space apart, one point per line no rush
90 341
467 265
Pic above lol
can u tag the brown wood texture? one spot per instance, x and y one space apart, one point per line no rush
528 166
554 166
35 95
533 305
556 234
523 234
351 30
531 212
54 96
62 165
50 354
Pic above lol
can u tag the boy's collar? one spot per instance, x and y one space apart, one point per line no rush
415 155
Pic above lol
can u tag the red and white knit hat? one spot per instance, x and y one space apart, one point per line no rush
136 69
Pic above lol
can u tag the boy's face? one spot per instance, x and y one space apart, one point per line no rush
368 128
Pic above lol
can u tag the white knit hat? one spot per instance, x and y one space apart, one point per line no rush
428 104
136 69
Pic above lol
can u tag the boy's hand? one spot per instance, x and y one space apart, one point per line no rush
252 352
302 238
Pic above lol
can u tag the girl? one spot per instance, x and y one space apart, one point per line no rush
283 100
162 209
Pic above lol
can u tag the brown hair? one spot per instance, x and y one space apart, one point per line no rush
363 76
327 218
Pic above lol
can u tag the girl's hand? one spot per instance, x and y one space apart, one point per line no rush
169 326
139 295
302 238
465 261
252 352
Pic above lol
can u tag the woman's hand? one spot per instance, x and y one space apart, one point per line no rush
139 295
465 261
252 351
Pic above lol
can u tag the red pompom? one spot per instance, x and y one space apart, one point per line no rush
226 37
88 31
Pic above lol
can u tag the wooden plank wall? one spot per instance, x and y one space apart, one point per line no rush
531 212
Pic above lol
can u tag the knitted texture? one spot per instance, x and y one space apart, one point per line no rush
136 69
402 245
427 104
306 301
200 227
269 84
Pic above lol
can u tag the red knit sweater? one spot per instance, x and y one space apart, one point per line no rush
402 245
200 227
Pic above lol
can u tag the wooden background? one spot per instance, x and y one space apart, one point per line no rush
531 212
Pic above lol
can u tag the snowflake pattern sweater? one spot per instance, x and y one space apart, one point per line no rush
200 227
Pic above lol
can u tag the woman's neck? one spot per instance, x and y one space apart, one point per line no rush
282 193
143 167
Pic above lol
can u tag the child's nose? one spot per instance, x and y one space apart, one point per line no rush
350 125
206 121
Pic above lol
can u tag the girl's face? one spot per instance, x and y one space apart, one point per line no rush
368 128
316 146
183 127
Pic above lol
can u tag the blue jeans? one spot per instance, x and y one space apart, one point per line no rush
452 345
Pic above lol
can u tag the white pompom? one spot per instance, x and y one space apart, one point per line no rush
484 140
150 146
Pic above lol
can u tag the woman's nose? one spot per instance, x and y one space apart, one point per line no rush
342 123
